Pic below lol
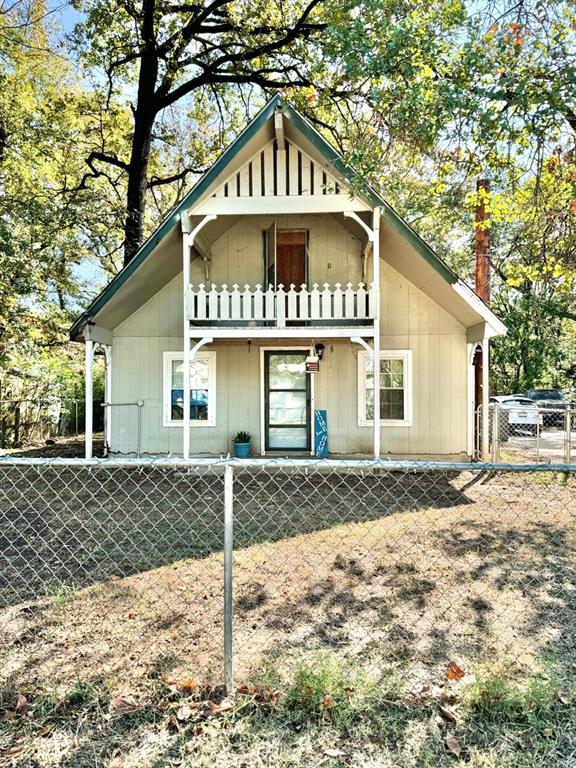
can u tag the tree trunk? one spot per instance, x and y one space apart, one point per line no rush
144 116
137 184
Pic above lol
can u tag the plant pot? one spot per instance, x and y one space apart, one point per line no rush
242 450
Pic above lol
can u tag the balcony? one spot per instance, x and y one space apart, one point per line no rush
253 307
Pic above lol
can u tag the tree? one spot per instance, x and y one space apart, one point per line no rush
175 50
47 238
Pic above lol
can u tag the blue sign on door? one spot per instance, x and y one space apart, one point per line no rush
320 434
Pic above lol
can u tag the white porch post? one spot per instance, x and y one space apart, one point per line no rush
376 344
486 400
88 397
186 334
188 237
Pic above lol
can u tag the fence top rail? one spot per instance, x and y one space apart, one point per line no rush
310 465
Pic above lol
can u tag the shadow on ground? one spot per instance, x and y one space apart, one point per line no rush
71 526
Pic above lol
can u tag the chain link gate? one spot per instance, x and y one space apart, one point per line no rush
527 434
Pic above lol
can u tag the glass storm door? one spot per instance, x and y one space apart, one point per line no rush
287 401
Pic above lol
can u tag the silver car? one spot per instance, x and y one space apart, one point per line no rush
523 413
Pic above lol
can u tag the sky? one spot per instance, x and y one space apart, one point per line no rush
66 14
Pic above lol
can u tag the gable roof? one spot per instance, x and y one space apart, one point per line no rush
315 140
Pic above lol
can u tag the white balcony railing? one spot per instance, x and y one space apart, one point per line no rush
276 307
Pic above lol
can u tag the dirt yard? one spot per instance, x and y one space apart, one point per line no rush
409 569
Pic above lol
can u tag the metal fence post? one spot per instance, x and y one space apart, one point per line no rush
477 433
568 441
495 433
228 555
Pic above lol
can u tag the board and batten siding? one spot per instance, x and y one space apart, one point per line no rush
237 256
409 320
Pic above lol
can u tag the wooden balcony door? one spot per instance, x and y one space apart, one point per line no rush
290 257
286 257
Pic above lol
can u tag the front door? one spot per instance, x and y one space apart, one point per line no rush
286 401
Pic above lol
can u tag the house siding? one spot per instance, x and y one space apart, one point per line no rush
409 320
334 254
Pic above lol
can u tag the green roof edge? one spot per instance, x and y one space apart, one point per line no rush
371 195
323 146
173 217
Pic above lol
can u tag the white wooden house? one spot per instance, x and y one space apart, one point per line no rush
270 259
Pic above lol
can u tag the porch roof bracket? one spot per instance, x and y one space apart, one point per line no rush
199 344
358 220
363 343
185 224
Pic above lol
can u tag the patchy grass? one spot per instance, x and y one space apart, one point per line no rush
319 711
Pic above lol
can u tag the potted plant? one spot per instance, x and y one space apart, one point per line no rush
242 445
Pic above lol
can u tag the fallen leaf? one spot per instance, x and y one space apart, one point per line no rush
327 702
454 672
227 705
184 713
447 714
124 706
174 724
453 746
13 751
21 704
547 733
564 697
187 686
334 752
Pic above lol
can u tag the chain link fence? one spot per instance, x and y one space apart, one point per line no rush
119 572
527 433
25 422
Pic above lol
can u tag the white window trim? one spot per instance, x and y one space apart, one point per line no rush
386 354
169 357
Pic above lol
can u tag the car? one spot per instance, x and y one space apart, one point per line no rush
552 403
523 413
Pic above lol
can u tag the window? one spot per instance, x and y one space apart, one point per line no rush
395 389
202 389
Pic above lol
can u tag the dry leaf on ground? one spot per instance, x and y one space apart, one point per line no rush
124 705
447 714
454 672
21 705
453 746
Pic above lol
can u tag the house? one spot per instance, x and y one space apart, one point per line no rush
273 257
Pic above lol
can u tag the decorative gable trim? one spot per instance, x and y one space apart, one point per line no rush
275 172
